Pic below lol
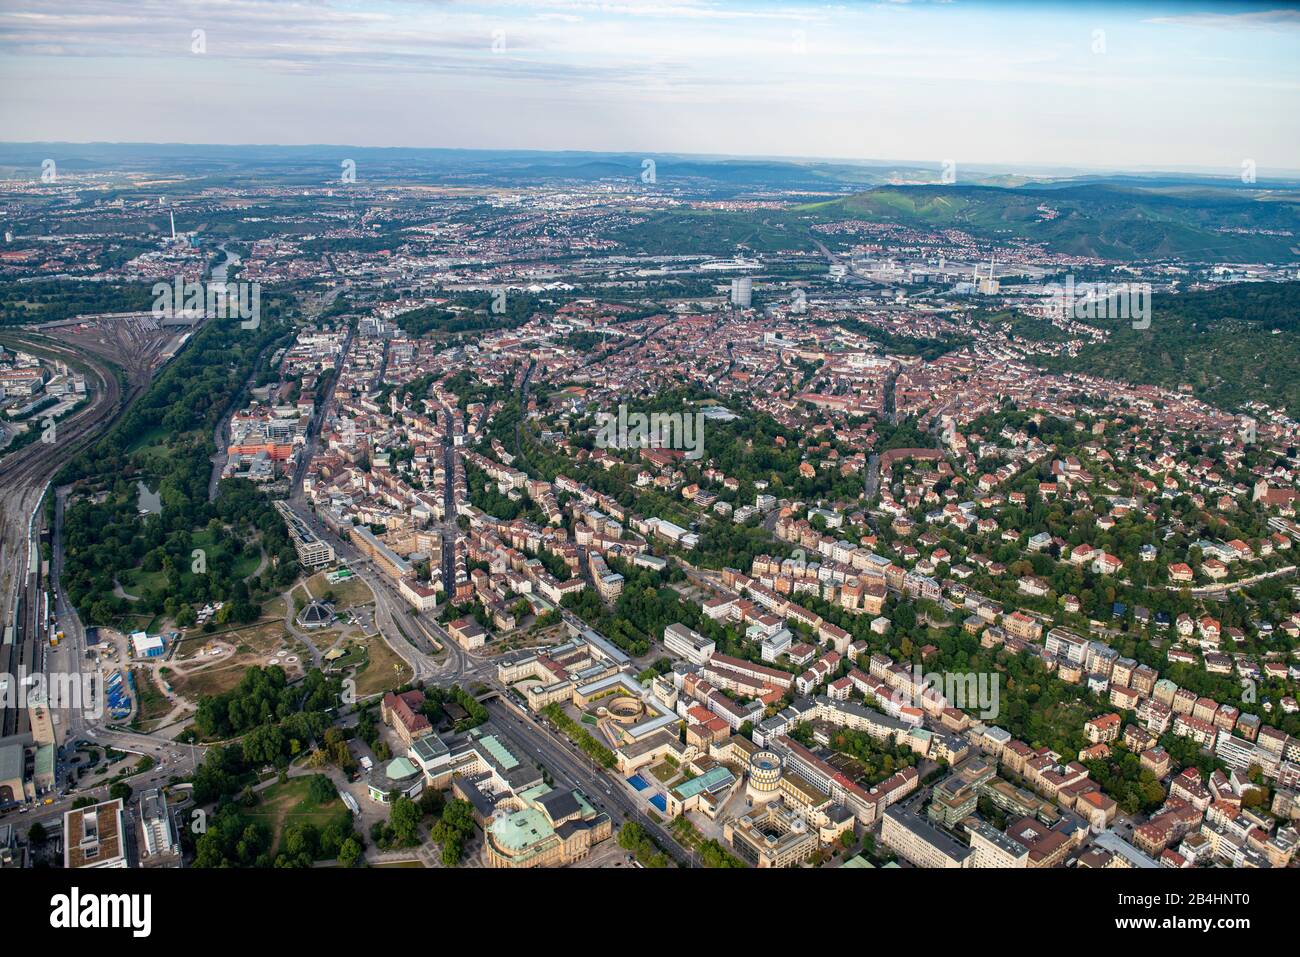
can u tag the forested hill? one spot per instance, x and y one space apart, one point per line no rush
1107 221
1231 345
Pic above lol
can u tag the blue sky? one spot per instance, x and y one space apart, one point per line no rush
1194 85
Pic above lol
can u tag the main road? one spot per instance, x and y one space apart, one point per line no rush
415 641
573 769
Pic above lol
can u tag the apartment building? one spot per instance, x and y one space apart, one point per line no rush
919 843
989 847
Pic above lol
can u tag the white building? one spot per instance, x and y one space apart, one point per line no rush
688 644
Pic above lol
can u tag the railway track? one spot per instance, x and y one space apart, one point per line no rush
72 431
26 471
25 475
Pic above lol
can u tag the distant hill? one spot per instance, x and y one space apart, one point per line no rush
1126 223
309 164
1231 345
1114 222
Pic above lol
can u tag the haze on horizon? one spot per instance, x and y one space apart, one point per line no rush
1105 86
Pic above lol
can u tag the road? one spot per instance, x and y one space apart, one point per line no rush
409 635
871 484
412 640
319 415
571 768
416 642
171 760
221 433
1220 591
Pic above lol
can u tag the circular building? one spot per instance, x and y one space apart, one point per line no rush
764 776
317 614
625 709
398 778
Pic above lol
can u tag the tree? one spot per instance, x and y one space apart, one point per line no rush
349 852
454 830
301 840
404 819
321 789
451 852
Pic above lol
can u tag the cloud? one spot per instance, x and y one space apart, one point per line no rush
1249 19
711 75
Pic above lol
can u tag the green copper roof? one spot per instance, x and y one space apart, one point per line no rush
399 768
520 830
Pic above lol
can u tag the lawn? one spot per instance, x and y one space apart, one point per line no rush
281 804
216 545
137 581
347 594
354 655
153 437
383 671
663 773
301 596
210 681
253 646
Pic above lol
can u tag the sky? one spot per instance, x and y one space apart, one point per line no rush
1109 85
